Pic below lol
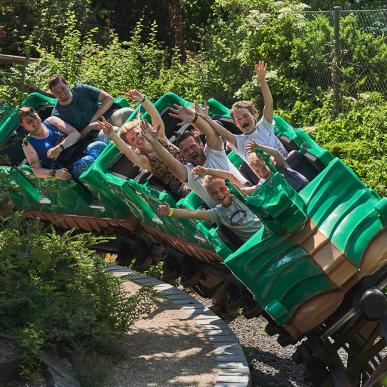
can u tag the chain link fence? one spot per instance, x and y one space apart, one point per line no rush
352 55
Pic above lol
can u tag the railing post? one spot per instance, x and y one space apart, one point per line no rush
336 59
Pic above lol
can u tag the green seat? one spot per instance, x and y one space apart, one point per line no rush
344 209
280 274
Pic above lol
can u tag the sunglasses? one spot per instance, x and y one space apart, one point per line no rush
25 113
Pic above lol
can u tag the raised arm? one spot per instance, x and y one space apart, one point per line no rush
176 167
194 118
260 69
157 121
165 210
138 159
199 170
252 146
106 102
219 130
33 160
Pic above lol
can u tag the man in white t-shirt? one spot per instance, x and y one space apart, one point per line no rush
245 117
212 155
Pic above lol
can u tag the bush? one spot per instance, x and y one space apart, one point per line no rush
28 23
358 137
238 33
56 294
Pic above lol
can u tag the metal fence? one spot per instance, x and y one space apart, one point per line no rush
353 58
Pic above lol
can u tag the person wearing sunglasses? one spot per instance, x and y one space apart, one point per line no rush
48 140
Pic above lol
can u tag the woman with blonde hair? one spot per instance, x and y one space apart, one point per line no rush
134 145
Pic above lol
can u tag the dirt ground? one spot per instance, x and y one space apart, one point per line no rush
165 349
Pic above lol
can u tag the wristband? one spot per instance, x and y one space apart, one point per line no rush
61 147
195 118
52 172
143 100
171 211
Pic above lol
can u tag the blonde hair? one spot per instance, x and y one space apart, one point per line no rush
243 105
126 128
251 156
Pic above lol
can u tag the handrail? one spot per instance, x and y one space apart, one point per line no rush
12 59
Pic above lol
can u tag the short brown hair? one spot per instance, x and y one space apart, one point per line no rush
243 105
25 111
185 135
55 80
126 128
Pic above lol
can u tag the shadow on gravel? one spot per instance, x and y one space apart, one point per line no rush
268 369
165 349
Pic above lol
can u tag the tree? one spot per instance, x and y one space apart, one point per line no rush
176 24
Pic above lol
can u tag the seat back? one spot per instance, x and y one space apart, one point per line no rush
124 167
305 163
288 143
11 151
227 236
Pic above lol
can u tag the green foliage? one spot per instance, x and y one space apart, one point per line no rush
358 136
347 4
55 293
30 23
155 271
196 17
231 38
363 56
115 68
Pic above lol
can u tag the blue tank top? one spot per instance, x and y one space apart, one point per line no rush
42 145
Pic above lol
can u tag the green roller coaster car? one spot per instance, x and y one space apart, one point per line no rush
45 195
314 252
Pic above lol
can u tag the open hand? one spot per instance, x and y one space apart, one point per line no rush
260 70
202 110
199 170
107 127
54 152
149 134
252 146
62 174
183 113
135 95
163 209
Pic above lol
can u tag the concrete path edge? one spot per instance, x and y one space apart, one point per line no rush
233 370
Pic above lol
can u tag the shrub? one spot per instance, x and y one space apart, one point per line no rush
358 137
238 33
56 294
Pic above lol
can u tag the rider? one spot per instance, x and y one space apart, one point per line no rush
46 143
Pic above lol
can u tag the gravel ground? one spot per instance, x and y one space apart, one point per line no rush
270 364
166 348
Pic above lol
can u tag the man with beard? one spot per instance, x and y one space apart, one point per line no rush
212 155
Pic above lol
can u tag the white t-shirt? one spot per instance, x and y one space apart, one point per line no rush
238 218
263 134
216 159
